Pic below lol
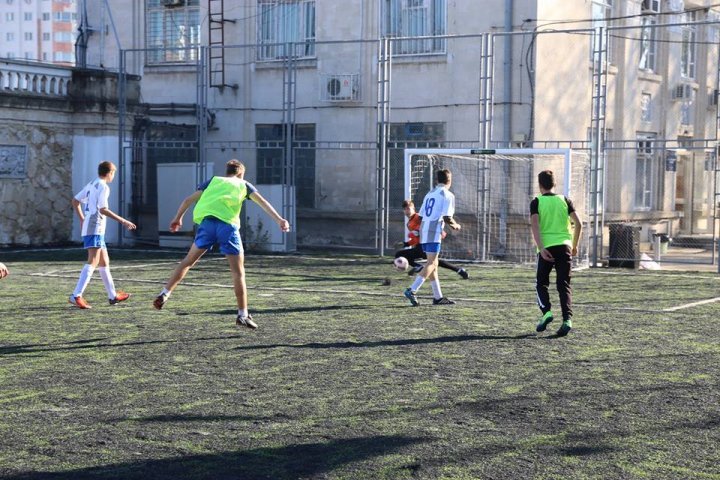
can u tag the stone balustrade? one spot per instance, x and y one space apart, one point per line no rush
18 76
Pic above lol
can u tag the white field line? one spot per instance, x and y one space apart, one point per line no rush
589 306
693 304
710 275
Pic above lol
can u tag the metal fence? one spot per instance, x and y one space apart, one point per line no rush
329 125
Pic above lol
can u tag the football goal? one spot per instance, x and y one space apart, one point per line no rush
493 190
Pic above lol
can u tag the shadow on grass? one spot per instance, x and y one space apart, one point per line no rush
310 460
319 308
390 343
55 347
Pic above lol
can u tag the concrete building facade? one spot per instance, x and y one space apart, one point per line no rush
39 30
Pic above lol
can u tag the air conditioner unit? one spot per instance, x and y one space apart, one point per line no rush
650 6
173 3
340 87
682 91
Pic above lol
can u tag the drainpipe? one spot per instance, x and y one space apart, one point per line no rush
507 74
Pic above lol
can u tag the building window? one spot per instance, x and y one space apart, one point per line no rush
64 57
647 173
602 11
27 16
46 36
648 35
63 36
271 155
9 2
688 53
646 107
283 22
173 33
9 36
46 17
11 55
28 36
687 110
415 18
28 55
44 56
10 16
64 17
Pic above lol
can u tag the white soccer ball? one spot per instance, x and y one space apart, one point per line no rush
401 264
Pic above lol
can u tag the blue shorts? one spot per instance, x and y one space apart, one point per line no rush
94 241
213 230
433 247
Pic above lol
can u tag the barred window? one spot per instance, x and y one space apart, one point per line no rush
647 173
173 32
285 21
601 11
648 35
688 54
415 18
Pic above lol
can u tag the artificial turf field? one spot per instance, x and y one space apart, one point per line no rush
345 380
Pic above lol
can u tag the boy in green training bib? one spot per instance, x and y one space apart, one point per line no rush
556 231
217 213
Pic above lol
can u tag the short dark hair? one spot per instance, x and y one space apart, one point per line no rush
408 203
105 167
234 167
546 179
443 176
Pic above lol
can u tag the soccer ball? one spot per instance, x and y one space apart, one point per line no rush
401 264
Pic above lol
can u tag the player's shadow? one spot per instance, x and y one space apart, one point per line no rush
324 308
388 343
310 460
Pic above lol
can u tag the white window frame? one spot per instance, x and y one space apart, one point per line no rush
283 22
415 18
647 173
601 11
688 52
172 35
646 110
648 37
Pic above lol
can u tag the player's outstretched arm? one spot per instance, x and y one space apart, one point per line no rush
451 223
577 230
265 205
176 222
124 222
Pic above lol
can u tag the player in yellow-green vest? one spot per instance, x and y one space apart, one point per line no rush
217 213
556 231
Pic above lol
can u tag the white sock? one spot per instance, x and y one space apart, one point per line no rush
85 276
165 292
417 283
108 281
437 293
243 312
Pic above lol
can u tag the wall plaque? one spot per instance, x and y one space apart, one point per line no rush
13 161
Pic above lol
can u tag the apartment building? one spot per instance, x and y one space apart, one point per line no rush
38 30
643 72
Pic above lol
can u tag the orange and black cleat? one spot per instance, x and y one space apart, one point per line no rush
119 297
79 302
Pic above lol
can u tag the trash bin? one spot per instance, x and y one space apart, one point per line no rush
624 251
663 241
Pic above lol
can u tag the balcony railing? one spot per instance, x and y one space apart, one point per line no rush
17 76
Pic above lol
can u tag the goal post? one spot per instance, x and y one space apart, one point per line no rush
493 189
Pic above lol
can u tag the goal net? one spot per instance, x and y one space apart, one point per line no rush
493 190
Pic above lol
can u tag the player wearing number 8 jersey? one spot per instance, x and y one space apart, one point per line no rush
437 209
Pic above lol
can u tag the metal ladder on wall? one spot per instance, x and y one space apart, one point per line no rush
597 152
216 43
383 124
485 104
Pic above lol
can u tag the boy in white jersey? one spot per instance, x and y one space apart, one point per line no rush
437 208
93 217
